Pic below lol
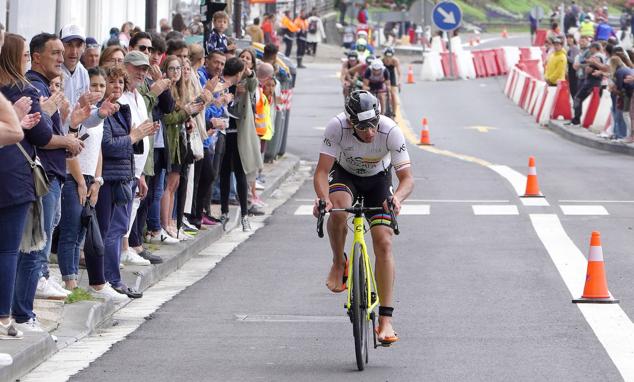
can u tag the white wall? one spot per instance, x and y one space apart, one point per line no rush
30 17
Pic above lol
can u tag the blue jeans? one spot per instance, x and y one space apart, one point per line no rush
113 224
620 127
12 220
33 265
71 232
51 207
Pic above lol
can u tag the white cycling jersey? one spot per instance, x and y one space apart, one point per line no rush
365 159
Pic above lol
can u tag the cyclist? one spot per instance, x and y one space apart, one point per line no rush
359 149
393 67
362 49
351 73
376 79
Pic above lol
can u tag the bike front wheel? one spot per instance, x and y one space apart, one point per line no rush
359 308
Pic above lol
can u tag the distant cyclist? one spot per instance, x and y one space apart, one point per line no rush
393 67
359 149
351 73
376 79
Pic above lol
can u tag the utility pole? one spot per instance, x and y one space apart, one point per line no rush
237 18
150 16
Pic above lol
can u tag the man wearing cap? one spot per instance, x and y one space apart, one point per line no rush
593 78
77 81
90 58
556 64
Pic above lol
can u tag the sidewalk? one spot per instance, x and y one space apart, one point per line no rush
589 138
68 323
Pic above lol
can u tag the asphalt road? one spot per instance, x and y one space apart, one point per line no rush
478 296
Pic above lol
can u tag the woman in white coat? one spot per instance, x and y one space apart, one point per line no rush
316 33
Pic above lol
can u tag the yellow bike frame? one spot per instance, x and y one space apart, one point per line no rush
359 231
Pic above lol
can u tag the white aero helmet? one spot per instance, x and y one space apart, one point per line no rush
376 65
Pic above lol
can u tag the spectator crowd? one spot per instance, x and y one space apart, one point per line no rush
106 147
589 54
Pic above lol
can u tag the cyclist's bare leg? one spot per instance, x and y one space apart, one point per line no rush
337 230
384 272
382 99
393 98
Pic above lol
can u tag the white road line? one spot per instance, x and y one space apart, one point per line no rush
583 210
596 201
517 180
484 209
611 325
406 209
535 202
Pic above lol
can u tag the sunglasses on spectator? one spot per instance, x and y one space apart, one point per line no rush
92 46
144 48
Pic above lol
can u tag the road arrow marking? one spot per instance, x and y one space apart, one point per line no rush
448 18
482 129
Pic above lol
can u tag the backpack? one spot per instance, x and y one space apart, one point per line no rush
312 26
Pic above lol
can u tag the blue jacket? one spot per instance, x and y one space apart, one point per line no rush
54 161
116 146
17 185
604 32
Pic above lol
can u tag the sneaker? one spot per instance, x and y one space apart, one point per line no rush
255 211
152 258
130 257
184 236
187 226
58 287
246 226
32 325
258 185
258 202
165 238
9 331
107 293
206 221
125 290
47 291
224 219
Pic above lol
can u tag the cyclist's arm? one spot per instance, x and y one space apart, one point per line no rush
320 179
402 165
366 84
397 69
405 187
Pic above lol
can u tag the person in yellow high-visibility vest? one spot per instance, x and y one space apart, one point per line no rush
263 121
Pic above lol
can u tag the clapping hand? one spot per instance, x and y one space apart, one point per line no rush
89 98
108 107
160 86
30 120
52 104
155 73
79 114
22 107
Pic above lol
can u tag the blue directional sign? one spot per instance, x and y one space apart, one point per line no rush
447 16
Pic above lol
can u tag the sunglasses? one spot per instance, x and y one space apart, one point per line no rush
145 48
367 125
174 69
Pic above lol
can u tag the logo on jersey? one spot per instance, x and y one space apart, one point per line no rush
327 142
402 149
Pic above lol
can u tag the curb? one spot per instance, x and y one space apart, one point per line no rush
588 138
80 319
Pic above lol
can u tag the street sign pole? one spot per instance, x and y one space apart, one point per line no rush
447 16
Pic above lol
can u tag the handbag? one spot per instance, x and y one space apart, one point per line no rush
93 243
40 179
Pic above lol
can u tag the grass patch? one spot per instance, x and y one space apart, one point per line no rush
77 295
472 13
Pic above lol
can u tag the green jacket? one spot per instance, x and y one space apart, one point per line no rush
173 124
248 140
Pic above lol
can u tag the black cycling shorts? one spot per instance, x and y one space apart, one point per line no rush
375 190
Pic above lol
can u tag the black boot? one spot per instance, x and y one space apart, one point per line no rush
299 63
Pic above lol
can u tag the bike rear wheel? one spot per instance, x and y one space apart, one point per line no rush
359 308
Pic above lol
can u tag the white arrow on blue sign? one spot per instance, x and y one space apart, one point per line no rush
447 16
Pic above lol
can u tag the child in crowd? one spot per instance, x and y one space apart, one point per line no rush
217 40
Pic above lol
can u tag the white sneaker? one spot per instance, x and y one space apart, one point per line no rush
188 226
9 332
58 287
165 238
107 293
258 185
47 291
130 257
32 325
184 236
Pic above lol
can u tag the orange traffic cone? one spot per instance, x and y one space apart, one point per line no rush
424 135
504 33
410 75
532 186
596 288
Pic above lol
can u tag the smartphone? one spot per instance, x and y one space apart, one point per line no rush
84 137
